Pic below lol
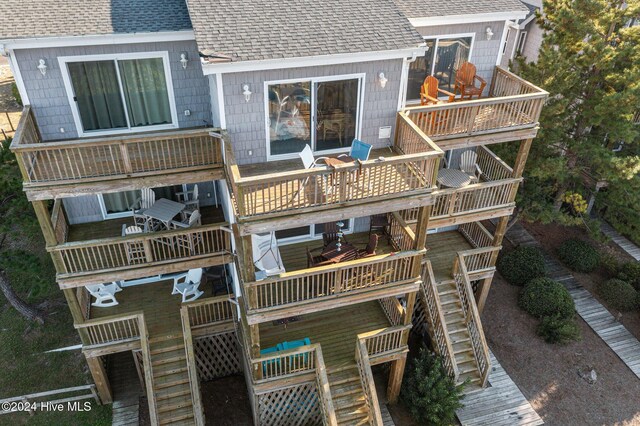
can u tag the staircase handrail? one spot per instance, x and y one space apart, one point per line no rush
194 381
368 385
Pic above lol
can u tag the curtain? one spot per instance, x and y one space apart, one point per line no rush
168 192
119 202
145 91
95 85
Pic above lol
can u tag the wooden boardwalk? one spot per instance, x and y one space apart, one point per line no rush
501 403
614 334
386 415
126 390
626 245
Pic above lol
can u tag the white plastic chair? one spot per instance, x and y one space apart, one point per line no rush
306 155
104 294
187 285
469 165
189 199
188 241
145 201
266 255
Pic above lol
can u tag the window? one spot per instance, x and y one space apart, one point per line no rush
521 40
120 94
443 57
294 235
322 113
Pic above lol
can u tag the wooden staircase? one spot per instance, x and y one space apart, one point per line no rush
348 395
458 333
171 380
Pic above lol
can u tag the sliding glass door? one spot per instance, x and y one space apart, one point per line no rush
322 113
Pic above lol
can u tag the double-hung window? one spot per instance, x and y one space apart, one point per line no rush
442 59
120 93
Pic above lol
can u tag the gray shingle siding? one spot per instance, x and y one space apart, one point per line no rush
485 52
49 100
246 122
82 209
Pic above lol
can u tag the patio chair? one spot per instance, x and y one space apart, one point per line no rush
187 285
266 255
187 241
104 294
330 233
189 199
370 250
315 260
378 224
145 201
469 165
359 150
429 92
135 249
465 83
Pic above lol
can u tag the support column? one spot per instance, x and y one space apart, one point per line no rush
44 219
421 227
100 378
396 374
483 292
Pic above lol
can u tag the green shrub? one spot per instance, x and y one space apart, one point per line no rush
16 93
618 294
429 393
555 329
610 263
579 255
545 297
630 272
521 265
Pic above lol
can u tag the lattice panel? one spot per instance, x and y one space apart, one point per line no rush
297 405
217 356
419 319
474 286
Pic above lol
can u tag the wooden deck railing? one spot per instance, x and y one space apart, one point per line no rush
112 329
366 380
386 341
111 157
393 309
477 235
513 104
194 380
492 166
320 186
59 222
82 257
210 311
324 390
401 236
437 324
33 402
480 260
472 318
328 281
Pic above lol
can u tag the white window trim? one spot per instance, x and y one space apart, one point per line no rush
311 235
64 60
435 47
522 40
313 80
106 215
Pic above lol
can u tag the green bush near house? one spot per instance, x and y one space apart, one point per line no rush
630 272
544 297
16 93
555 329
579 255
618 294
431 396
521 265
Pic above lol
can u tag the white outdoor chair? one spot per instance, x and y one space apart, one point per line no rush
135 249
266 255
190 240
104 294
145 201
187 285
306 155
189 199
469 165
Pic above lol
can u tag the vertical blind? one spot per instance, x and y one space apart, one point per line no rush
137 97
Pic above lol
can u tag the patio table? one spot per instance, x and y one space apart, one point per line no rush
347 252
452 178
164 210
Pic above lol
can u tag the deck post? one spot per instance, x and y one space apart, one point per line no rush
396 373
421 227
483 292
44 219
76 312
99 374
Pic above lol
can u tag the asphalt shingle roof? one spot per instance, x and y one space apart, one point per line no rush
274 29
59 18
429 8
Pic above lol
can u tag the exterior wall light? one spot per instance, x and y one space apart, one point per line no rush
246 92
489 32
184 60
382 79
42 66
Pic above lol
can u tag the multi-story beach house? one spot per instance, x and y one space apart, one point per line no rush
260 188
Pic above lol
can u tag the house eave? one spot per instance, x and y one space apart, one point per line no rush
429 21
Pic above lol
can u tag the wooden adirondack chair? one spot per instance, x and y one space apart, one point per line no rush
429 92
466 78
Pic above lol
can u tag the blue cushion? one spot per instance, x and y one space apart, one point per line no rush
360 150
295 343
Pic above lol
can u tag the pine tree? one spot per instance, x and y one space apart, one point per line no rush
590 64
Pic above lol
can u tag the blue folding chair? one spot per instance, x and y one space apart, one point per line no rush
359 150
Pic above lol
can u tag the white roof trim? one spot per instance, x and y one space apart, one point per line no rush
526 21
309 61
96 40
430 21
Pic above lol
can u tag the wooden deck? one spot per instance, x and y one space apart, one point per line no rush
336 330
614 334
125 386
500 404
112 228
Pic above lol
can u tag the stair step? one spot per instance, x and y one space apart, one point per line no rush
343 381
176 415
461 346
167 345
465 358
169 368
354 413
449 297
168 357
174 403
170 380
172 392
467 368
473 376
